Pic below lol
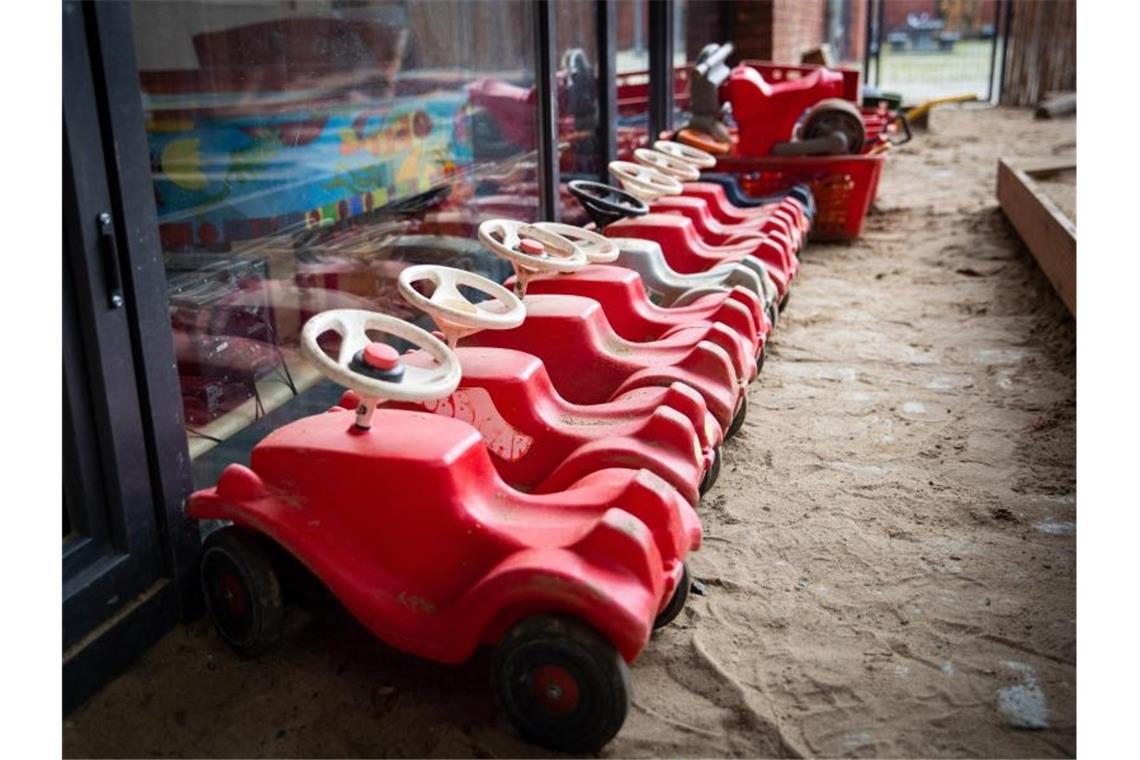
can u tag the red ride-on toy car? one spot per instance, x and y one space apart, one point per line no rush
633 316
587 360
597 247
403 517
667 287
538 441
776 246
707 204
797 117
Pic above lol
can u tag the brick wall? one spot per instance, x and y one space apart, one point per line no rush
798 25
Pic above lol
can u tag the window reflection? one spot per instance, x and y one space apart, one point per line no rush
302 155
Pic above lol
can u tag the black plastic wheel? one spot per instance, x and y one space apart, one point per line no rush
676 602
784 301
738 418
760 356
561 683
709 480
835 115
241 590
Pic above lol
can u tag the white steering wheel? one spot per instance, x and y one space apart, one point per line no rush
373 369
530 249
646 183
687 153
598 248
677 168
455 315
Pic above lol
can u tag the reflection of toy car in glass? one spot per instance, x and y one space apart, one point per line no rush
538 441
569 333
403 517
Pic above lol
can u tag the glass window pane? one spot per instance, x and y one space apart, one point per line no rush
632 75
302 155
696 23
580 152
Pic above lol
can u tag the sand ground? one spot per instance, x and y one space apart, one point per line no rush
890 551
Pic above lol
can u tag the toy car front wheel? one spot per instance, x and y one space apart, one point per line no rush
710 477
241 590
676 602
738 418
561 683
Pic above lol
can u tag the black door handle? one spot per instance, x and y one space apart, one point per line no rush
110 259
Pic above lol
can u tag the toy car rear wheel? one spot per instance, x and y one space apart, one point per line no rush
709 480
676 602
738 418
241 590
760 356
561 683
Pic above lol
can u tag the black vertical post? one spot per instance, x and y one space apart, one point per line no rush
879 47
607 85
1005 44
993 52
867 41
546 86
660 67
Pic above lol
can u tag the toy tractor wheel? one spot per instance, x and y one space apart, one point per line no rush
760 356
561 683
836 116
241 590
710 477
676 603
738 418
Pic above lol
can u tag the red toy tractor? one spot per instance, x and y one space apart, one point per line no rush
796 117
404 518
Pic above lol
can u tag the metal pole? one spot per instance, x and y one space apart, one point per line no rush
993 53
546 86
879 45
870 7
660 67
1005 45
607 84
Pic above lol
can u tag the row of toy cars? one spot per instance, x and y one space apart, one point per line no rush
528 475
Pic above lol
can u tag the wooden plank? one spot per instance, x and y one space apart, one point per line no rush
1049 234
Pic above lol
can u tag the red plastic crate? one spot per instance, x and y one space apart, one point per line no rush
844 186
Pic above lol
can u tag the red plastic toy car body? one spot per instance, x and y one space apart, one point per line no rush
591 364
539 441
404 518
569 333
634 317
687 253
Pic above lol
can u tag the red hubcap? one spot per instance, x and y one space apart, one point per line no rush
233 594
555 689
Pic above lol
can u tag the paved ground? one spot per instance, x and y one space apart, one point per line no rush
890 553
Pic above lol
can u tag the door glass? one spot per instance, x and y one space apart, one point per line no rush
302 155
580 153
696 23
